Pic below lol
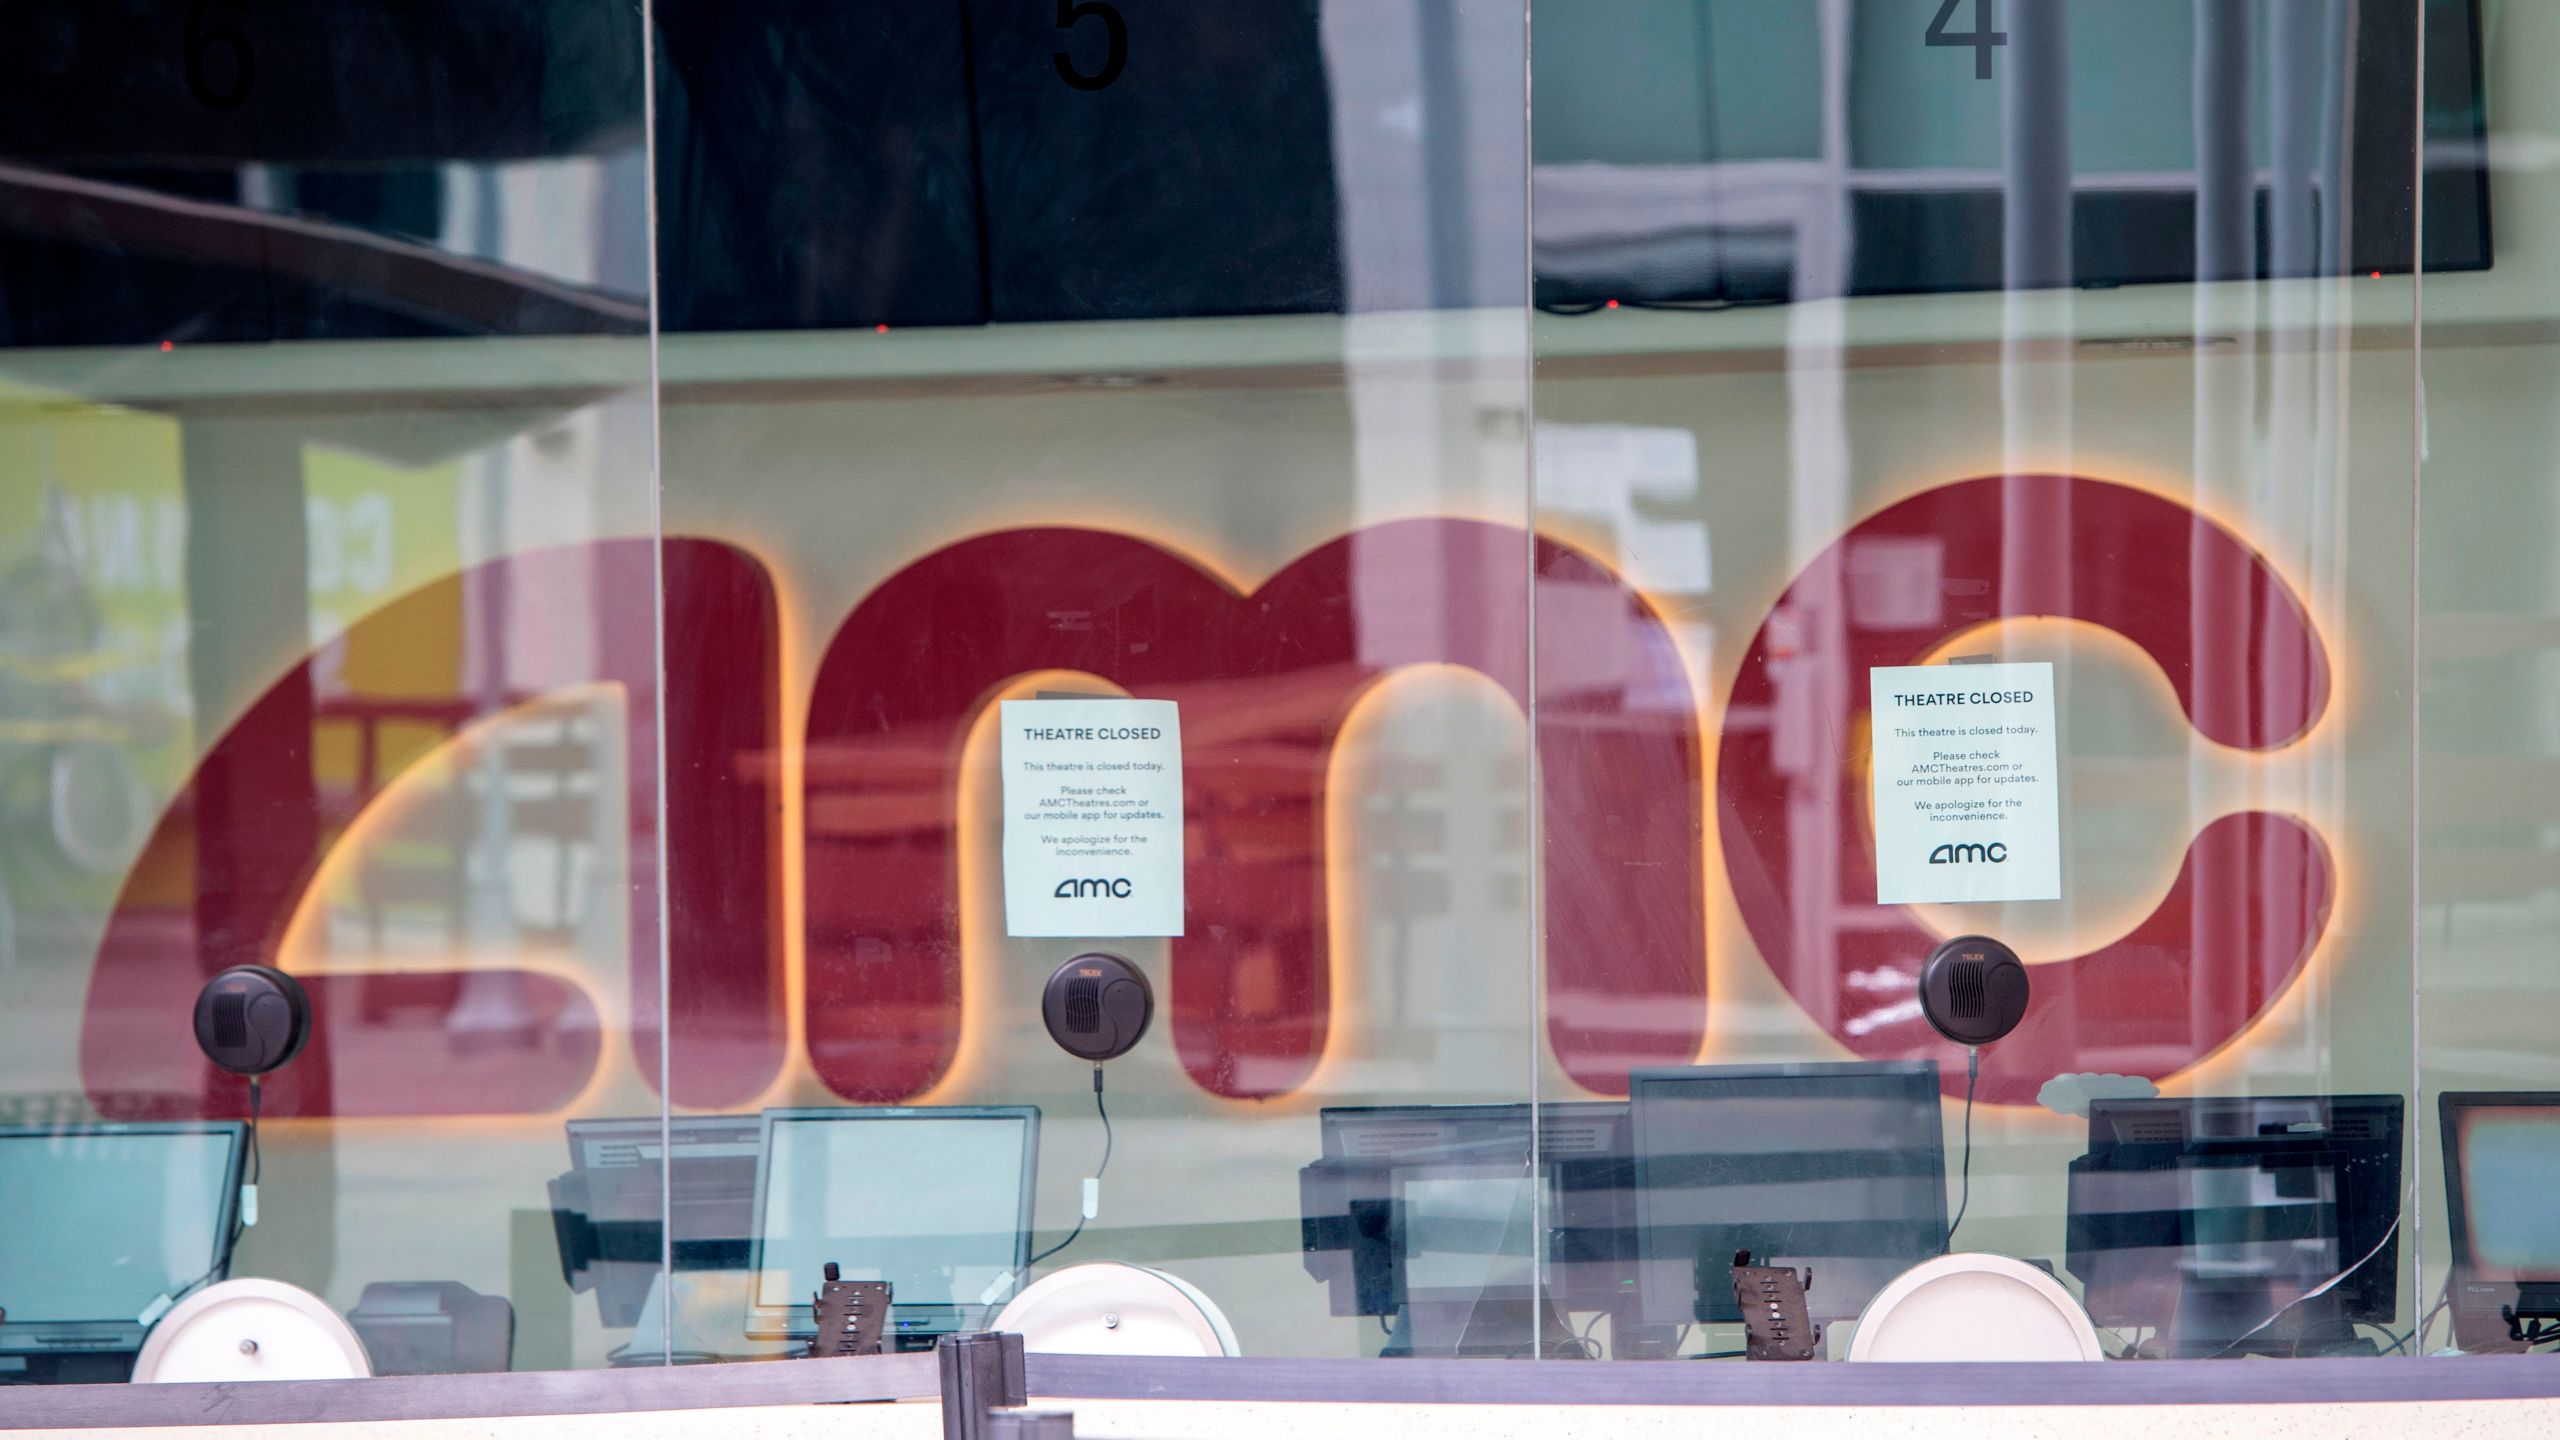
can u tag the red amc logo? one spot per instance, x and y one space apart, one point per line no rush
1267 680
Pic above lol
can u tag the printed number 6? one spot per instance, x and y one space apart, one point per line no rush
1115 56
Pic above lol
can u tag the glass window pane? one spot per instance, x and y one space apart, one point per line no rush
1036 358
2489 1078
2023 588
327 613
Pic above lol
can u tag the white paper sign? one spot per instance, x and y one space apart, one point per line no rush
1092 817
1966 791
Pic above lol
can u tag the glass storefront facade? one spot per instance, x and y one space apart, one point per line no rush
579 533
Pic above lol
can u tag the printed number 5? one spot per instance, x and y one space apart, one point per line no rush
1981 37
1115 55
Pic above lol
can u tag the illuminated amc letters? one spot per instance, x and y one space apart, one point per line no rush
2254 893
1266 680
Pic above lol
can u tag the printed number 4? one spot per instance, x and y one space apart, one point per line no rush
1115 54
1981 37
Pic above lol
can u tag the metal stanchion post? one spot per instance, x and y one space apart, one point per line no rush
979 1373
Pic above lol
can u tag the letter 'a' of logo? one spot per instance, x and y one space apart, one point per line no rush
1996 853
1091 889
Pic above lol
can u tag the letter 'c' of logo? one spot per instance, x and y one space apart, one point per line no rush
2253 895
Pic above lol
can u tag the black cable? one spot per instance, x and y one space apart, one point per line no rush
1964 1194
1098 1109
2418 1332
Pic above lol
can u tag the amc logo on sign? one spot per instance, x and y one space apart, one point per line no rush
1266 680
1992 854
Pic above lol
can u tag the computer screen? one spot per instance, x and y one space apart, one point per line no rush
608 1211
2142 1237
2502 1165
936 1201
1837 1167
1468 1232
98 1221
1434 1203
2199 1215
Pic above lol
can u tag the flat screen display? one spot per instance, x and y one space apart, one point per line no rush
97 1223
1433 1204
2197 1215
2510 1159
1469 1233
1838 1167
2149 1235
936 1202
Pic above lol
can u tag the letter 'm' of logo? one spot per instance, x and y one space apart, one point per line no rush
1266 681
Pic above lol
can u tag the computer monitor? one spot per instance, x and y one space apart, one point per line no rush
2501 1177
1469 1233
1836 1167
99 1221
1434 1205
2200 1217
607 1212
936 1201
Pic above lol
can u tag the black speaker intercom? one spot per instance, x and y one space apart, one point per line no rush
251 1019
1973 989
1097 1006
